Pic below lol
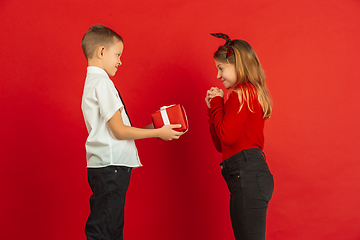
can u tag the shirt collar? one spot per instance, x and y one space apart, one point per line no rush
93 69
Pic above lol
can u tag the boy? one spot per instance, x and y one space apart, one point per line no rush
110 148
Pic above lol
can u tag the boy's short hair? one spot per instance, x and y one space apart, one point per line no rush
98 35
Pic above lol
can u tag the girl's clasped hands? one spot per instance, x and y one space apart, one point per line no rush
213 92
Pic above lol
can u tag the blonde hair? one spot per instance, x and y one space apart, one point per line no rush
248 70
98 35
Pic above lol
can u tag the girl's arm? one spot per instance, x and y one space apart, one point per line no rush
215 139
123 132
228 122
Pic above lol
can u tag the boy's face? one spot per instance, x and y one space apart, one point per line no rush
111 57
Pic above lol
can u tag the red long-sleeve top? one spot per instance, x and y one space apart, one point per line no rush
232 130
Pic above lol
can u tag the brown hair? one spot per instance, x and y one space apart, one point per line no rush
98 35
248 70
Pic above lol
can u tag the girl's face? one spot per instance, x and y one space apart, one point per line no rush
226 73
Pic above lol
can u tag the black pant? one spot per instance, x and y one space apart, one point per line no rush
109 186
251 186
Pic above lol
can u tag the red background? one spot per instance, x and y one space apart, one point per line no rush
310 53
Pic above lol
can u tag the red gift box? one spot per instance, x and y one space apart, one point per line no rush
173 114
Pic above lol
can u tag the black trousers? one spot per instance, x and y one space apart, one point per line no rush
251 186
109 186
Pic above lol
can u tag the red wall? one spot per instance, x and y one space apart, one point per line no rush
309 51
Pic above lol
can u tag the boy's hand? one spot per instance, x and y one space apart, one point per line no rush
167 133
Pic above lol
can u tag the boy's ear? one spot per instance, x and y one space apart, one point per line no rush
100 52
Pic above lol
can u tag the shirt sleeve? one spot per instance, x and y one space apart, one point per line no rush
228 119
215 139
107 98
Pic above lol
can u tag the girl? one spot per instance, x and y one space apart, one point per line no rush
236 129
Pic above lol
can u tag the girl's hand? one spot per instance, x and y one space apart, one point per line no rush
209 96
208 99
217 92
213 92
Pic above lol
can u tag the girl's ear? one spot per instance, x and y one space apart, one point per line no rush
100 52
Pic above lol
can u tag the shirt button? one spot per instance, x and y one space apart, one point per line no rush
115 170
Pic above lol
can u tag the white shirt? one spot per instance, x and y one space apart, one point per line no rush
100 101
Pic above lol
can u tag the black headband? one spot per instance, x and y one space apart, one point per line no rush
227 43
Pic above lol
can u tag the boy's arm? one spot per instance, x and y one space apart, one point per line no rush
123 132
150 126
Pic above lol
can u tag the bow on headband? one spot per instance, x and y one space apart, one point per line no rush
227 43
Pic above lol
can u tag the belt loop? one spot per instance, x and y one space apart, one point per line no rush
246 156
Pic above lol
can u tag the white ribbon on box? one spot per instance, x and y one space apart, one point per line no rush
165 116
